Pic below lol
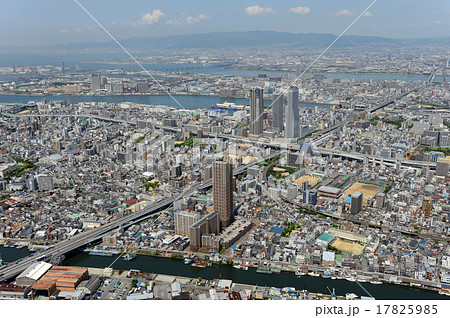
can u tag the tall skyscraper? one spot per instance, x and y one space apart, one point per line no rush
223 191
312 197
277 111
256 111
305 186
292 114
96 82
356 203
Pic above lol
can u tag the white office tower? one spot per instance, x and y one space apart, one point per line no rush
292 114
277 111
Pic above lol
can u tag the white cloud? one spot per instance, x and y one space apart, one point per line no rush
201 16
188 20
367 14
257 10
300 10
344 13
150 18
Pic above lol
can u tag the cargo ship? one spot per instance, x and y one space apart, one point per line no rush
229 106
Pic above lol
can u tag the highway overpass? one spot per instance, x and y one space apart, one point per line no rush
89 236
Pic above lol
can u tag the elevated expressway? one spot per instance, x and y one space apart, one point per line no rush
89 236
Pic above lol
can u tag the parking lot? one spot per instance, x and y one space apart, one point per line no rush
114 288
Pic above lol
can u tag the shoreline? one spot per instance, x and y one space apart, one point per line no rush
325 73
292 268
213 283
144 94
317 271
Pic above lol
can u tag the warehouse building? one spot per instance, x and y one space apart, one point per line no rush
11 291
32 274
63 278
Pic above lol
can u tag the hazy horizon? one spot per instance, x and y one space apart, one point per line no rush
36 23
108 40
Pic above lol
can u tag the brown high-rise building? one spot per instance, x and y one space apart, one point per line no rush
427 206
223 191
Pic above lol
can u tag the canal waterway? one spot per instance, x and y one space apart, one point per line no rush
167 266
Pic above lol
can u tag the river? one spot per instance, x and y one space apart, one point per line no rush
187 101
169 266
227 71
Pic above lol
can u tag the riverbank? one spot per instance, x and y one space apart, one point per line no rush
164 263
311 270
191 102
326 73
210 288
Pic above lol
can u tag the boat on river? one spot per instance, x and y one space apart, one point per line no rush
129 257
376 282
313 274
264 270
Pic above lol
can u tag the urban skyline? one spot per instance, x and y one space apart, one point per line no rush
212 163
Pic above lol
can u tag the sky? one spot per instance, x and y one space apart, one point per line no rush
44 22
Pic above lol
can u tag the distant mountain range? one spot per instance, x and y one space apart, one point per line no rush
222 40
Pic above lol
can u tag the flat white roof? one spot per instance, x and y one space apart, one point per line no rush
140 296
225 283
329 189
36 270
328 256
